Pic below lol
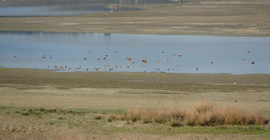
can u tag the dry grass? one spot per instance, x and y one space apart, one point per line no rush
41 94
90 125
204 114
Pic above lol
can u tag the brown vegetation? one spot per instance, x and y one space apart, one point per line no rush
205 114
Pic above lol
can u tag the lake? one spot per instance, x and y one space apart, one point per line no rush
59 10
134 53
67 8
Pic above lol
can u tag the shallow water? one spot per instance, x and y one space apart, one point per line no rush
66 8
109 52
58 10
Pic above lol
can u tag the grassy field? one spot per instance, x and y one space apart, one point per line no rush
92 124
47 105
230 18
90 105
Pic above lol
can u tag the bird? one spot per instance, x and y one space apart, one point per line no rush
144 61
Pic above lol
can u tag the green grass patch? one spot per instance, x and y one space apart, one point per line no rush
4 107
218 130
49 110
98 111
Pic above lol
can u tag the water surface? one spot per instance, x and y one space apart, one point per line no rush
67 8
109 52
59 10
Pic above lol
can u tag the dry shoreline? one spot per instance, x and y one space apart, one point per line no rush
168 19
104 90
84 96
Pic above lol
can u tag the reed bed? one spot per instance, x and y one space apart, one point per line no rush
203 114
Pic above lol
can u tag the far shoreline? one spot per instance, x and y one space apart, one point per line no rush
158 19
125 33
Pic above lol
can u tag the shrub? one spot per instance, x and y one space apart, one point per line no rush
191 123
175 123
98 117
26 113
60 118
50 110
112 118
37 113
159 120
41 109
147 121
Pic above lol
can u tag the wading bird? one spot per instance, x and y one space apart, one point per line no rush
144 61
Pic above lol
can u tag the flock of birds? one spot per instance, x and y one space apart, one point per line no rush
115 67
111 68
